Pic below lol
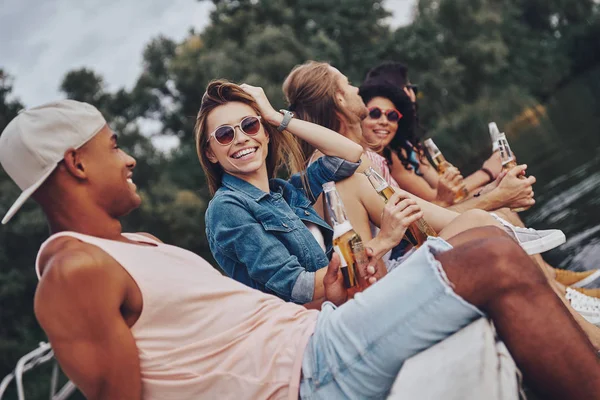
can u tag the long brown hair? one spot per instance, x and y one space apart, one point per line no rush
310 90
284 150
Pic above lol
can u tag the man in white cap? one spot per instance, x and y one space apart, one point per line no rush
130 317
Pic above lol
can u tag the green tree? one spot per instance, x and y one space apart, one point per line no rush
475 61
19 332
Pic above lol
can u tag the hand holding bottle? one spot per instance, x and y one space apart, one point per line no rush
449 185
494 184
515 190
398 214
333 281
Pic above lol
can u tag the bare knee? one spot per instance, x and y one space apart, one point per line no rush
477 233
479 218
466 221
509 267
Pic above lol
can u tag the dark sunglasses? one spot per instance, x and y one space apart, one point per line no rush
392 114
225 134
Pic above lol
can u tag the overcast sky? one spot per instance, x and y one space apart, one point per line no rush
41 40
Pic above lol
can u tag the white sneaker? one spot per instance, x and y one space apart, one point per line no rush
588 307
531 240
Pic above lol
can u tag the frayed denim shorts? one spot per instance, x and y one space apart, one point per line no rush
357 349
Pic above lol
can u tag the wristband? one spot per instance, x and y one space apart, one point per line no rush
287 117
489 173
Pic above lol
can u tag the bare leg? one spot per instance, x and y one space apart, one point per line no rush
549 347
544 266
468 220
591 331
510 216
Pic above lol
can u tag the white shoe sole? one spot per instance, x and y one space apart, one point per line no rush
549 242
587 280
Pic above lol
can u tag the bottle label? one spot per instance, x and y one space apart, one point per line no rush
340 229
505 153
343 262
358 250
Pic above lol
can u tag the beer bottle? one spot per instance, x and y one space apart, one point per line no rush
506 155
440 164
499 143
494 133
418 232
346 242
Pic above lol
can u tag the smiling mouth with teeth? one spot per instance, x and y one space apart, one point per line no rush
244 152
381 133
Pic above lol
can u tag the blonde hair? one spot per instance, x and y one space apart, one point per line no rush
284 150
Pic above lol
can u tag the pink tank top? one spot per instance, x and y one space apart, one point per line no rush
381 165
204 335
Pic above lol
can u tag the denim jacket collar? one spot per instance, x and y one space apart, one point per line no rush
235 183
289 193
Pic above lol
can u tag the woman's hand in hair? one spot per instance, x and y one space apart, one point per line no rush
268 113
411 94
449 184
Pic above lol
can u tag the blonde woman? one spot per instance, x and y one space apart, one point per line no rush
258 226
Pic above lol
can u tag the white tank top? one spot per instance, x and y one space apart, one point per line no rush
204 335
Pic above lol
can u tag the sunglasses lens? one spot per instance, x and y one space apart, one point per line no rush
224 134
250 125
375 113
393 116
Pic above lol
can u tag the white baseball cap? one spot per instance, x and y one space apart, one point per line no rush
35 141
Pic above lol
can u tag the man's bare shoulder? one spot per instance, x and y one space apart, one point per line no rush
74 271
68 265
69 253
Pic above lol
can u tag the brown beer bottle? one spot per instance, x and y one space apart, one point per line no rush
418 232
346 242
440 164
509 161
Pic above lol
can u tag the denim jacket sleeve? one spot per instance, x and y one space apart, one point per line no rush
325 169
235 233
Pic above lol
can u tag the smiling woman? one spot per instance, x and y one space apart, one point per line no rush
258 226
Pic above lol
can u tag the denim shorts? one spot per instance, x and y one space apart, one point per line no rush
357 349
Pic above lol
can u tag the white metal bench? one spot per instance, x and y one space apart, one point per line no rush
472 364
41 355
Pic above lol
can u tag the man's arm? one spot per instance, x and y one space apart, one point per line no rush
78 304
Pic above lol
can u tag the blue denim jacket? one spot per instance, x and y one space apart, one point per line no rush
260 238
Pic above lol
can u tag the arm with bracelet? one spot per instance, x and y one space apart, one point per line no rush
327 141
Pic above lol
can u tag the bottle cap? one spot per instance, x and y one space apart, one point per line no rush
494 131
340 229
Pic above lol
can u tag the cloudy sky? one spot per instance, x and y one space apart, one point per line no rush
41 40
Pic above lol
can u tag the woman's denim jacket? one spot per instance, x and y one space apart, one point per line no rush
260 238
